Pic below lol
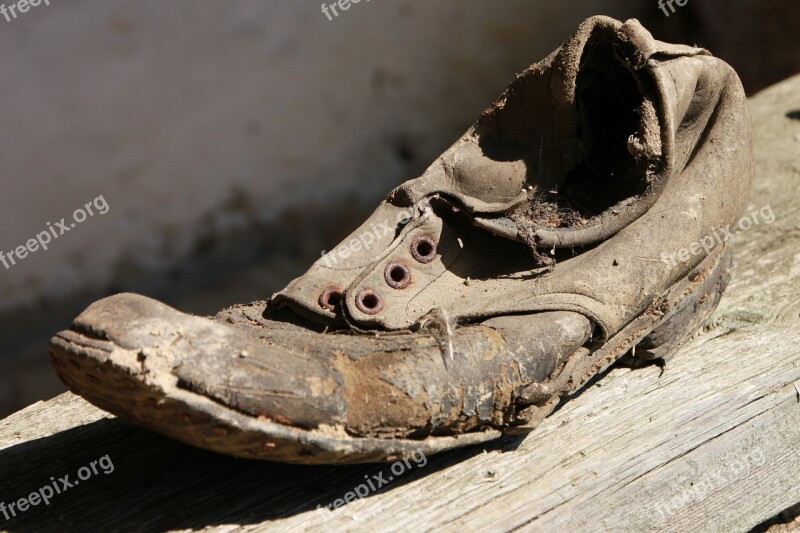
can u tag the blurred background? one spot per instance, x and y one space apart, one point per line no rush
235 141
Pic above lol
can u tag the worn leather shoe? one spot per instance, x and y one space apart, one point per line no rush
547 243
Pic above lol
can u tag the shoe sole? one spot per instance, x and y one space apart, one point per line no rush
85 365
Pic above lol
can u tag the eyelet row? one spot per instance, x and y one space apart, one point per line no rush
396 274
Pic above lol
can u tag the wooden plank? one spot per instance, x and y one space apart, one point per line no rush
709 444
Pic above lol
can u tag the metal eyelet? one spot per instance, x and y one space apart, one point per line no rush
369 302
397 275
330 299
423 249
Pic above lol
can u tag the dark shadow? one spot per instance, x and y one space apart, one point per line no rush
793 115
158 484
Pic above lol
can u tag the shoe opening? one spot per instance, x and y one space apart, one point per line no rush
586 152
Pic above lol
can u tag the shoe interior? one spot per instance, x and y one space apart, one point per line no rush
609 154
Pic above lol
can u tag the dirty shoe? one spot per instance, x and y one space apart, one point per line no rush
543 246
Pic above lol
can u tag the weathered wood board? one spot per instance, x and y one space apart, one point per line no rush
710 444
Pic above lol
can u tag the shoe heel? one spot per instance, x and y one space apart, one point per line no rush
686 306
704 287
